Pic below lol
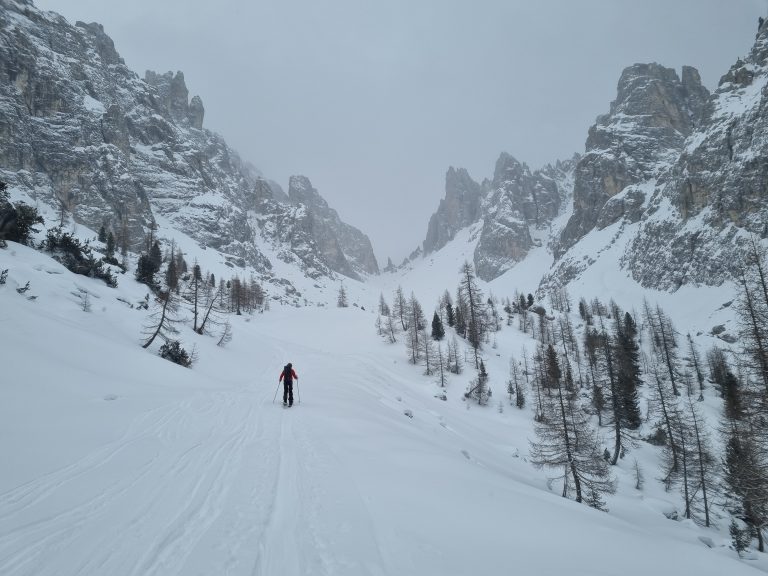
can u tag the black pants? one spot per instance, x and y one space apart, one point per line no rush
288 392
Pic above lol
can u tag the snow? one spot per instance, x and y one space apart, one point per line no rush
93 105
118 462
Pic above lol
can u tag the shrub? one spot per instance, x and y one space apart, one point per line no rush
26 218
173 351
77 256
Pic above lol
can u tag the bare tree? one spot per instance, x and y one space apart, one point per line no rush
567 444
162 321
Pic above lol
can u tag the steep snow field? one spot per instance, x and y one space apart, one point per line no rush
116 462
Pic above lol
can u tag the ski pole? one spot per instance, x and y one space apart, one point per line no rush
298 391
276 389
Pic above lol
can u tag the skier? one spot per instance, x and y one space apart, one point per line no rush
286 377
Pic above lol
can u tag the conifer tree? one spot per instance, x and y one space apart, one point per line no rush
427 353
209 306
746 482
615 398
472 300
449 314
416 324
753 331
667 347
566 443
172 273
145 271
194 293
454 362
400 308
341 300
694 354
703 463
627 354
478 388
383 306
163 320
728 384
110 248
438 332
441 366
664 405
155 255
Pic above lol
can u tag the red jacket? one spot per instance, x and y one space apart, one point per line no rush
293 374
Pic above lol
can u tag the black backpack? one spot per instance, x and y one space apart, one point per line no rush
288 375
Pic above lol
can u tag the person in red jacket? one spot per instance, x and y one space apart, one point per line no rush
287 377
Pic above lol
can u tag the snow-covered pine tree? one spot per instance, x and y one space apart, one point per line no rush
438 332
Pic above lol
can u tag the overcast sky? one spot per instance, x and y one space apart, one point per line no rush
373 101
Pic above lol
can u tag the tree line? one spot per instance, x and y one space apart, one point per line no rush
600 380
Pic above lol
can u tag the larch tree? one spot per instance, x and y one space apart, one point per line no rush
383 306
667 347
441 366
696 364
341 299
663 404
472 299
400 308
163 320
478 388
566 443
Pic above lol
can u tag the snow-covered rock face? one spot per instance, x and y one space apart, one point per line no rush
642 135
459 209
517 201
81 130
716 194
514 202
674 175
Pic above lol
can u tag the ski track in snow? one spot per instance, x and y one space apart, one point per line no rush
223 482
202 472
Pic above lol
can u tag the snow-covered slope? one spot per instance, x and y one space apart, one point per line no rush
118 462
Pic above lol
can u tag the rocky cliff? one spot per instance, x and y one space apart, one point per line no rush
715 196
637 141
514 203
672 185
79 130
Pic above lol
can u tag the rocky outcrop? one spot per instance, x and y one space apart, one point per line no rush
343 247
637 141
459 209
506 209
79 129
716 194
517 201
173 95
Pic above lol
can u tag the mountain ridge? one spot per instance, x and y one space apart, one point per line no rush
83 133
